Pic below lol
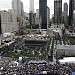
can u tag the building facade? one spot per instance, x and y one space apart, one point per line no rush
31 13
0 40
71 8
26 18
0 24
22 11
37 19
57 12
37 13
31 19
48 17
8 22
43 13
32 6
65 14
17 6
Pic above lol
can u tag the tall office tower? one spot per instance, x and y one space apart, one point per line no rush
74 17
26 20
37 13
74 4
43 13
48 17
65 14
37 20
22 11
71 8
0 24
16 5
31 13
57 12
0 30
32 6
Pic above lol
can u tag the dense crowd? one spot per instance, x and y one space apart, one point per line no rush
34 69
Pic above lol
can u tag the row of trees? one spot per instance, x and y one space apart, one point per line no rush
33 26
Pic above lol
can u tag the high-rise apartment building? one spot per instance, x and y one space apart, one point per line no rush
57 12
43 13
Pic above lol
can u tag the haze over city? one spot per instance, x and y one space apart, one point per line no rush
37 37
6 4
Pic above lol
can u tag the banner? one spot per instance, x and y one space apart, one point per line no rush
73 73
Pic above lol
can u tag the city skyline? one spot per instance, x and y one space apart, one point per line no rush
6 4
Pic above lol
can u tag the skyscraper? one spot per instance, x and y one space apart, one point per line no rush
31 13
16 6
71 8
37 17
0 30
48 17
74 17
43 13
22 11
37 13
57 12
65 14
32 6
0 25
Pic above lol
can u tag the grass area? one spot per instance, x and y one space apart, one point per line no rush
39 52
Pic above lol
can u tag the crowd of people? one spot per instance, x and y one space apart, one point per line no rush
34 69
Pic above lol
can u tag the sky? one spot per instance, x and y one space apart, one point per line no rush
6 4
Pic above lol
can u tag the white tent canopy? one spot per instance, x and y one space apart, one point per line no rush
37 62
67 60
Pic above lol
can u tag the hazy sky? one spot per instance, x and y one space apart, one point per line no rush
6 4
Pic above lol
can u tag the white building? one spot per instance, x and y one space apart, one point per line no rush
37 19
22 11
32 6
8 37
48 17
37 13
17 5
56 31
65 50
8 21
26 19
